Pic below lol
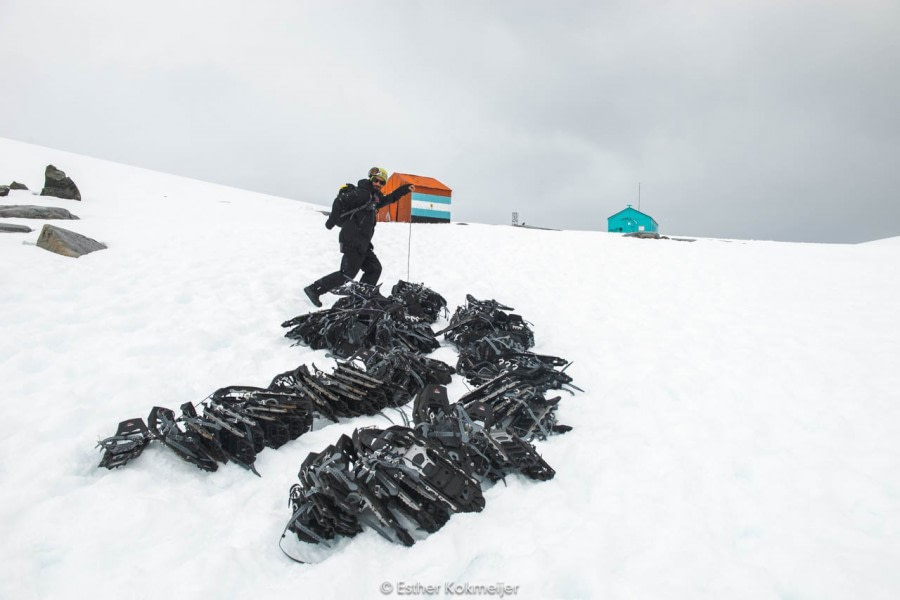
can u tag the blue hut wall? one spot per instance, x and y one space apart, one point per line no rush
630 220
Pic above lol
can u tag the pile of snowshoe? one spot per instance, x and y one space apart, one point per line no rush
406 369
237 422
481 444
363 319
494 355
392 480
404 481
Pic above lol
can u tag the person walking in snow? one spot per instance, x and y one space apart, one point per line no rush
357 207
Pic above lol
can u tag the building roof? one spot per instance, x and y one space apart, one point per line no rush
422 181
629 208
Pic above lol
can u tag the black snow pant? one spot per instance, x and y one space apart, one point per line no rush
354 260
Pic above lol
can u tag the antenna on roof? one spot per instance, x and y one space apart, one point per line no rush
639 195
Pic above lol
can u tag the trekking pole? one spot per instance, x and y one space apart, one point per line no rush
408 246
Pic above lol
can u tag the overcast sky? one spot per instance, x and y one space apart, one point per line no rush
765 119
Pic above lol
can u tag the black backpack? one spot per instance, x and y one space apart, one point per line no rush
339 213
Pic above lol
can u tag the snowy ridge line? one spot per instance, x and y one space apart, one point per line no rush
740 440
405 482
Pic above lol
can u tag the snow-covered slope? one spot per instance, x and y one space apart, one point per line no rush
738 436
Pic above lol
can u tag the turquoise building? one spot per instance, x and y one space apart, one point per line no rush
630 220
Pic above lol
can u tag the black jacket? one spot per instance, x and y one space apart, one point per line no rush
357 232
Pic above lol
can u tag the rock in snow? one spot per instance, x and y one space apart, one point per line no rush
11 228
27 211
57 184
65 242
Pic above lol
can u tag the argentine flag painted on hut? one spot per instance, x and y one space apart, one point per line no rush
431 206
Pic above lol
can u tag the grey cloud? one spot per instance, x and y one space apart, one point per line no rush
767 120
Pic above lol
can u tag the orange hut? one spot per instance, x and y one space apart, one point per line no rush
430 203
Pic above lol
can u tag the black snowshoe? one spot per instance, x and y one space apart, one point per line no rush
131 437
186 444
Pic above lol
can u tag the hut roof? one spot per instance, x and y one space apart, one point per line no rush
422 181
631 209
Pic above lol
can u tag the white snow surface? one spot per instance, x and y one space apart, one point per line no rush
738 436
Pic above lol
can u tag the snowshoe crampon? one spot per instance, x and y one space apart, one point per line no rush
132 436
186 444
308 553
423 466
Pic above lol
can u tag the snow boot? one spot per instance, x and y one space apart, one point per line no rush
312 295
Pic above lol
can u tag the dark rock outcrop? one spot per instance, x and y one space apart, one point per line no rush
25 211
15 185
4 190
12 228
65 242
58 185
